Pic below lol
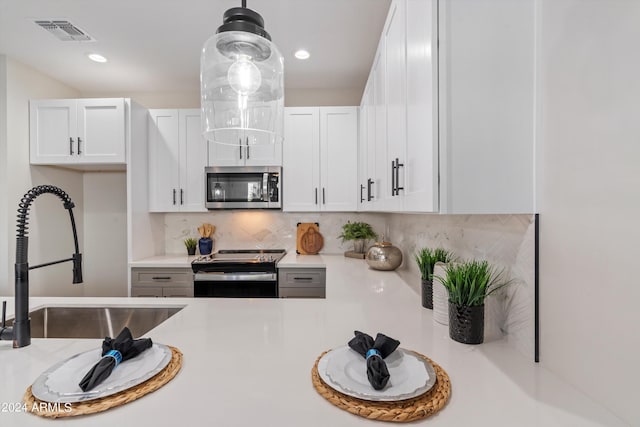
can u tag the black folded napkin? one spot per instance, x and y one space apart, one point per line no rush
114 351
374 352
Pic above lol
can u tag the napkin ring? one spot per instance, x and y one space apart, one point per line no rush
373 352
117 356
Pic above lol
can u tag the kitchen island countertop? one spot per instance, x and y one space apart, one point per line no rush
248 362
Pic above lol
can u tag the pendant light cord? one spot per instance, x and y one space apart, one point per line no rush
244 3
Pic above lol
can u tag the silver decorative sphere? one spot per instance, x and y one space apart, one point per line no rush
384 256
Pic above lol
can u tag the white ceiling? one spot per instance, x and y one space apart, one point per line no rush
154 45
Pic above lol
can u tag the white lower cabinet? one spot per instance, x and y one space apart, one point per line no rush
177 158
76 132
320 159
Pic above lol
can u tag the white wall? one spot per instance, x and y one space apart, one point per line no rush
105 237
50 236
4 237
589 197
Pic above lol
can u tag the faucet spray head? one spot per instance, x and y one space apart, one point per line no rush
77 268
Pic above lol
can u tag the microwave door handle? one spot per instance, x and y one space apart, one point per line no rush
265 184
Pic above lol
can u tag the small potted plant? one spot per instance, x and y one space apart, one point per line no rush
190 244
426 259
359 232
468 284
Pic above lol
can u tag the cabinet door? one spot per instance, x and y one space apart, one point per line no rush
396 97
339 158
193 158
101 130
363 150
53 135
146 291
177 291
261 153
226 155
301 168
164 161
421 163
382 184
487 106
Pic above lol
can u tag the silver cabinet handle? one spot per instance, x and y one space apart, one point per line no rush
303 278
316 191
240 147
323 198
247 141
71 146
181 196
174 196
361 190
161 278
79 141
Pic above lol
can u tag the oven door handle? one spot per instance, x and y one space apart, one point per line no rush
225 277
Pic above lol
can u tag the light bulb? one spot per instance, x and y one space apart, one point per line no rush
244 77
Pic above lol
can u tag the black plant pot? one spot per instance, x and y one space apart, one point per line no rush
427 293
466 324
191 251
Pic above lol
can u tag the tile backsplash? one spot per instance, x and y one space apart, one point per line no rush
506 241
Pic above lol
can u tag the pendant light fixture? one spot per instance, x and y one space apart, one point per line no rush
242 82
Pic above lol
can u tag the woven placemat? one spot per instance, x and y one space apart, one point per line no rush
61 410
401 411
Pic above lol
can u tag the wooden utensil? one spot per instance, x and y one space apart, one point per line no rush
309 241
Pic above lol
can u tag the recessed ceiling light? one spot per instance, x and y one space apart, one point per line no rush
302 54
96 57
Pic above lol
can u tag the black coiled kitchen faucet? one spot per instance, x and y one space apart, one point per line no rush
20 332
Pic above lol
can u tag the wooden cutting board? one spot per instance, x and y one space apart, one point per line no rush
309 241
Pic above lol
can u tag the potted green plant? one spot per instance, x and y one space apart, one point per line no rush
426 258
190 244
359 232
468 284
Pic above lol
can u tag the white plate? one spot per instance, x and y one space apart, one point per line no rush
344 370
59 383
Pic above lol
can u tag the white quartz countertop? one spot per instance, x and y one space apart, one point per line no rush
164 261
290 260
247 362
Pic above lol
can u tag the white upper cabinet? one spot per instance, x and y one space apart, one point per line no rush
247 152
454 108
77 131
320 159
420 193
177 158
395 46
487 99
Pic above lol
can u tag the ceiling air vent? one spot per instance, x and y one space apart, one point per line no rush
65 31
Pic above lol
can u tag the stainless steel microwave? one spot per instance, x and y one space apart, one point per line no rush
243 187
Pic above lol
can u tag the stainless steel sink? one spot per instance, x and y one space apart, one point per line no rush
96 322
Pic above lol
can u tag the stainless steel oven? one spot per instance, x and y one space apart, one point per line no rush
249 187
237 274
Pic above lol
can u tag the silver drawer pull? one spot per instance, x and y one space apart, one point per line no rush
303 278
161 278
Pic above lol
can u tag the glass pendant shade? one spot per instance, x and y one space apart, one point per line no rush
242 84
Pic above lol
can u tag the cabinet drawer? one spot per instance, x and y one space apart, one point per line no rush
301 277
157 277
302 292
177 292
146 291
